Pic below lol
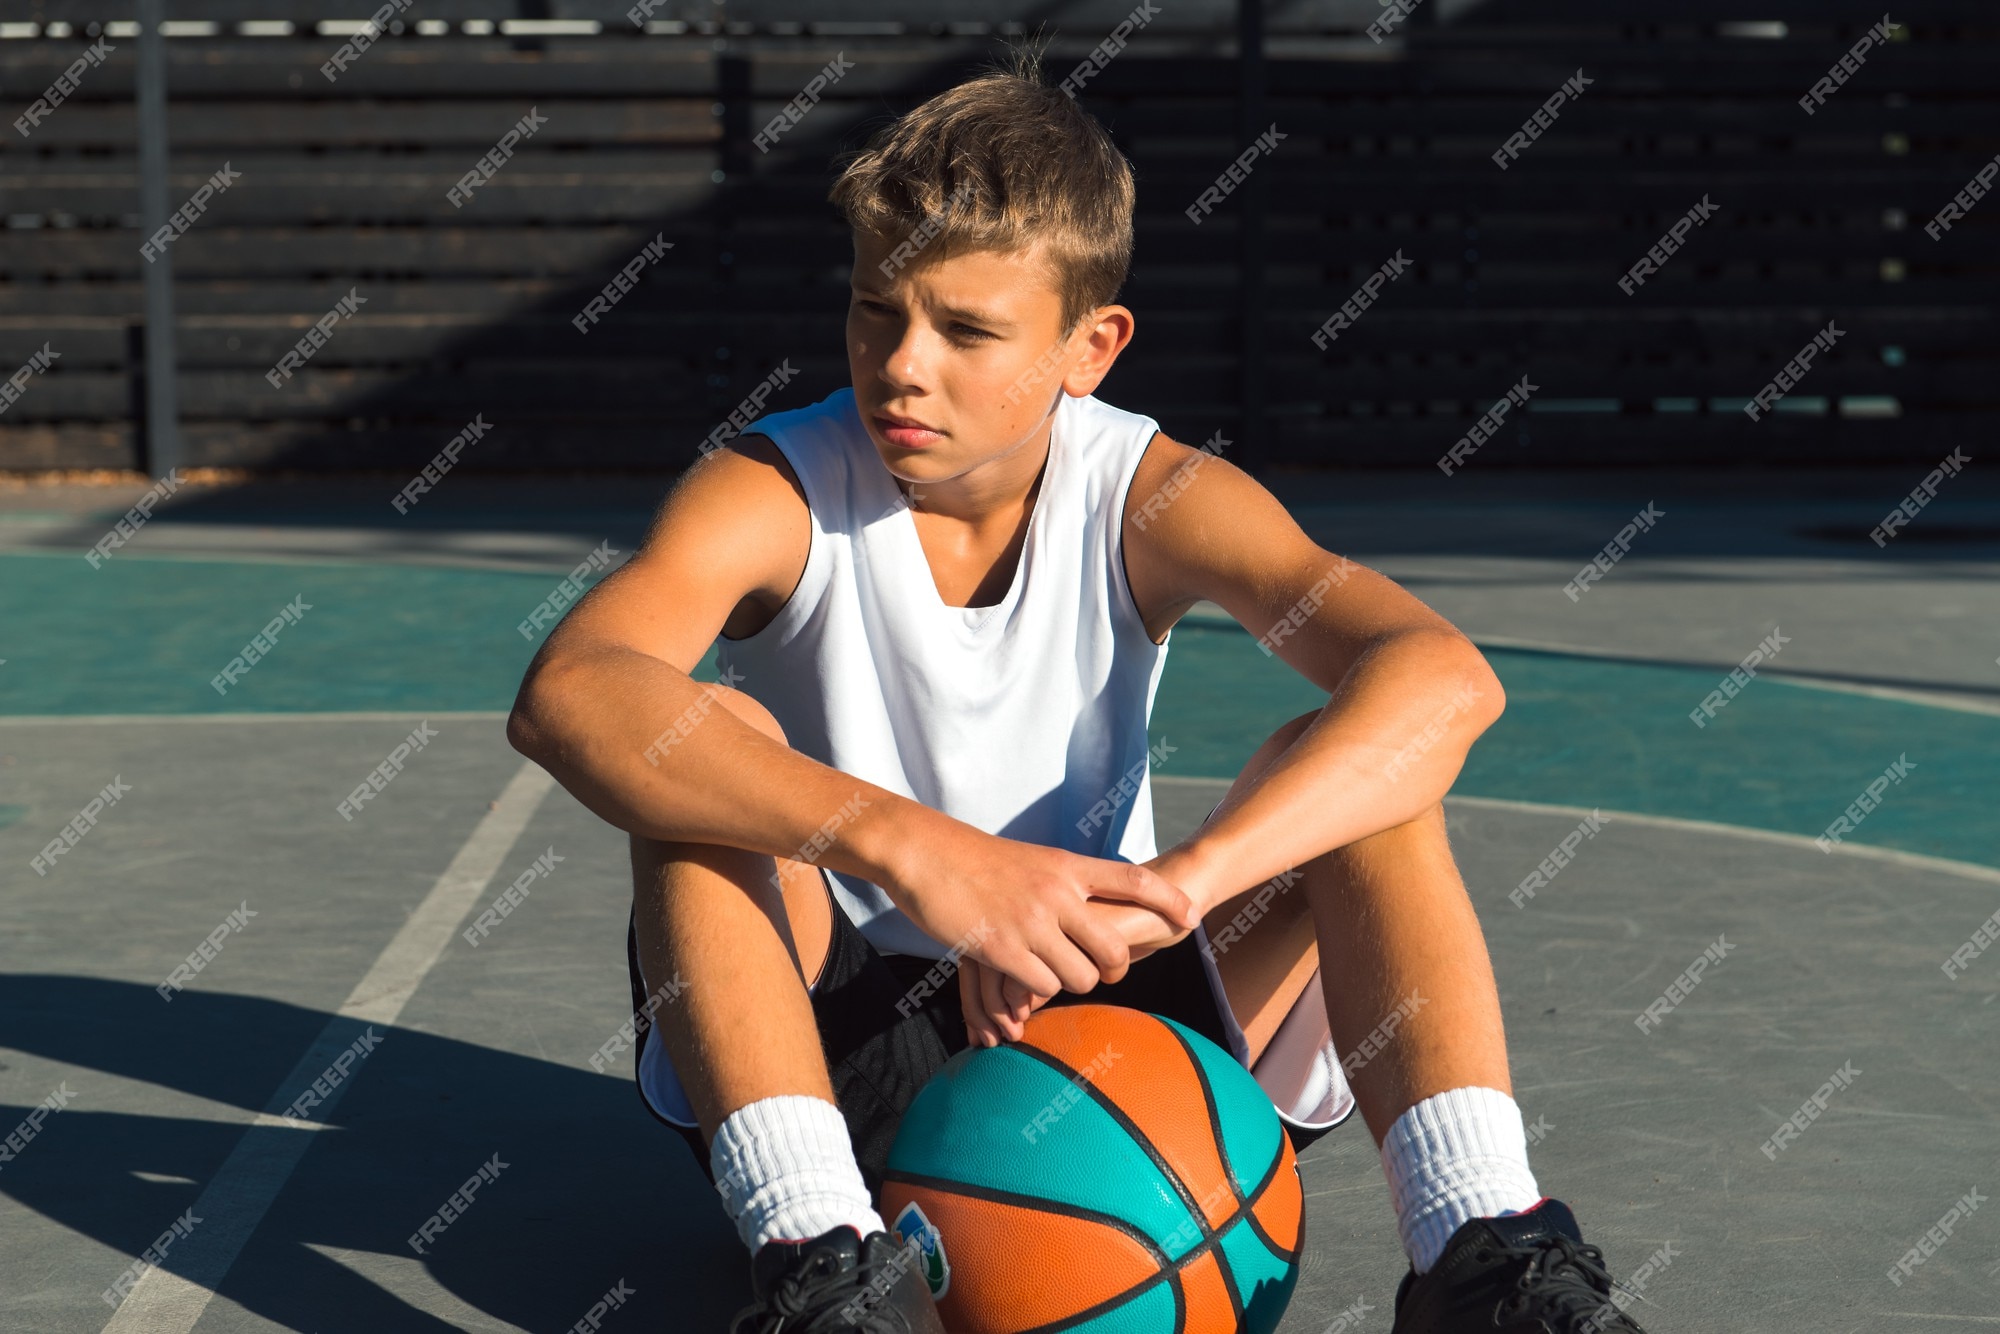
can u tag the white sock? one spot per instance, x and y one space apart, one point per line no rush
785 1169
1453 1157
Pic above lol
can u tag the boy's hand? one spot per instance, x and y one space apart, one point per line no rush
996 1006
1026 911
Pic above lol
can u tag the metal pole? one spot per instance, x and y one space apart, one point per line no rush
162 441
1254 448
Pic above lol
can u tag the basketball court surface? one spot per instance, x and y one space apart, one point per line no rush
339 963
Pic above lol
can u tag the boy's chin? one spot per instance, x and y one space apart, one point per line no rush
915 469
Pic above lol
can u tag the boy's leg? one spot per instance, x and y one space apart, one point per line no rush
1412 1007
1387 922
741 1034
1398 937
742 1026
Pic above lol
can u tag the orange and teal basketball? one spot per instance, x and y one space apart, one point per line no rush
1113 1172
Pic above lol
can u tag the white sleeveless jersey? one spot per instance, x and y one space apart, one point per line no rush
1026 719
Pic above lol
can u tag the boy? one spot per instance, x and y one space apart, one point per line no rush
943 597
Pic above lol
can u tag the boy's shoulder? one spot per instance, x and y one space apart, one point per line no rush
834 414
1169 473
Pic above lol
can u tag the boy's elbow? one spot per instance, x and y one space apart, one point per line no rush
528 723
1456 668
1488 695
522 733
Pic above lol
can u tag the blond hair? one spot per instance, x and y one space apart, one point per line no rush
1001 162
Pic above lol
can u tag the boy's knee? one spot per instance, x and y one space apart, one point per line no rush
1279 742
1398 843
748 710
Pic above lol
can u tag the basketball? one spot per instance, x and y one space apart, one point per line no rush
1112 1171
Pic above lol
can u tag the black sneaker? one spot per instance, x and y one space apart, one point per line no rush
839 1283
1526 1273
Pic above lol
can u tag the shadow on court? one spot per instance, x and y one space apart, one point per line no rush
575 1209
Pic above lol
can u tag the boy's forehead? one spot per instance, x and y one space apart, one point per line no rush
1019 278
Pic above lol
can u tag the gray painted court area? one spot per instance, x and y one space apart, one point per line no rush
1832 961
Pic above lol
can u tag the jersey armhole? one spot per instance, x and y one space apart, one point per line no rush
811 574
1128 599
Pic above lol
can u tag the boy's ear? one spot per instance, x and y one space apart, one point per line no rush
1106 331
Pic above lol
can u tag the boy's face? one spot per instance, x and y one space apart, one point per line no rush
957 361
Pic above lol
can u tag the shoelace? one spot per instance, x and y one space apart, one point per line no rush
816 1301
1566 1281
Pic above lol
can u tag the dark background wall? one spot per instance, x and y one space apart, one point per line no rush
1387 148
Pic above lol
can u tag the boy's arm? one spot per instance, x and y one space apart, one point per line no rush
725 552
1407 693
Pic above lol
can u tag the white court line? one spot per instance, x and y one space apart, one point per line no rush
249 1180
1968 1319
1207 613
1932 699
1914 860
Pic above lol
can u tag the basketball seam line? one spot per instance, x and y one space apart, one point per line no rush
1242 1205
1241 1210
1170 1270
1126 1123
1033 1204
1245 1204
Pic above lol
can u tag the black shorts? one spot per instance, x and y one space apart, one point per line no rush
879 1057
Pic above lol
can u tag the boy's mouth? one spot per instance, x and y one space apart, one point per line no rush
906 432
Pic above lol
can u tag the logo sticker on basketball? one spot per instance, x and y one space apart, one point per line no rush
911 1225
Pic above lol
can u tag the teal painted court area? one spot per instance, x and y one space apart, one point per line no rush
146 636
1598 733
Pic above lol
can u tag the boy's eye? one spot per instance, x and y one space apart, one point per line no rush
957 328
